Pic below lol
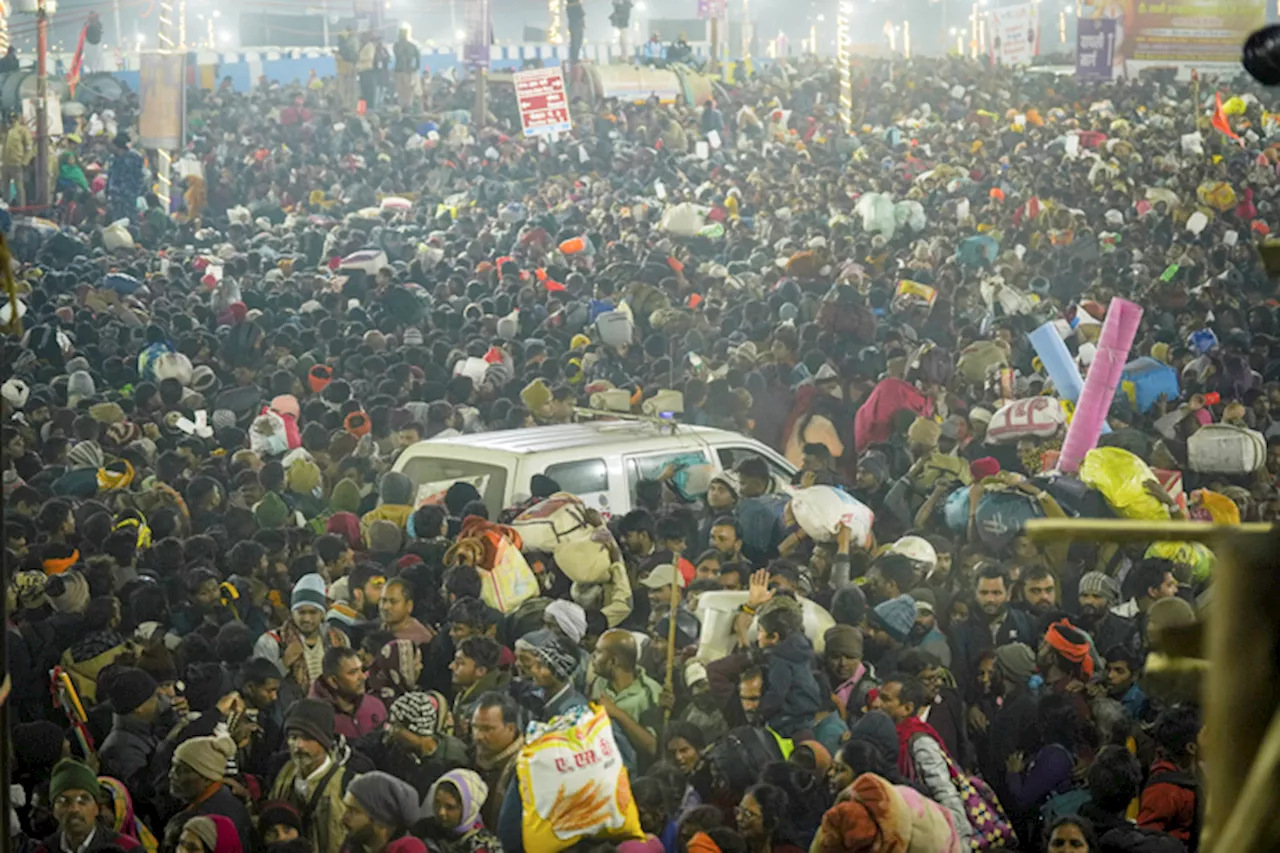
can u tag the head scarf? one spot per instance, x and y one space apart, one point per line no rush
346 525
472 792
570 618
1065 639
389 676
123 820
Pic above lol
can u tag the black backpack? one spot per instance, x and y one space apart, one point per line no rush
732 764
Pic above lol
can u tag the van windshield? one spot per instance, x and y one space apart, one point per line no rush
432 477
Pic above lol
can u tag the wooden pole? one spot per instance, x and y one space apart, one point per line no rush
671 638
1126 530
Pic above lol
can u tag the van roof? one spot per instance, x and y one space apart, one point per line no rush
635 435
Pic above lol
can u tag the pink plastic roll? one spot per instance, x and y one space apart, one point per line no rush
1118 331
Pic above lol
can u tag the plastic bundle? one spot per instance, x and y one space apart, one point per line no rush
1114 342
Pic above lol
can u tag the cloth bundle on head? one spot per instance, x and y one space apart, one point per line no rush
207 756
843 640
129 688
309 591
873 815
418 712
1072 644
311 718
897 617
387 799
548 648
569 617
71 775
472 793
1103 585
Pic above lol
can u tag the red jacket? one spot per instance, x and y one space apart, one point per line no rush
1169 804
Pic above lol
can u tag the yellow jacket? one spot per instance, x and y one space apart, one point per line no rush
19 147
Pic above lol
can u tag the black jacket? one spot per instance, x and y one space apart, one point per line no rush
973 636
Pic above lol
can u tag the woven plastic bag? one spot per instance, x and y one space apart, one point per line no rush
573 784
1122 478
822 510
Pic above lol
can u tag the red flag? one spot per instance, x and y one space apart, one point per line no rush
1220 119
73 76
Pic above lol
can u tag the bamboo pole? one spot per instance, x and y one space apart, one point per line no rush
670 683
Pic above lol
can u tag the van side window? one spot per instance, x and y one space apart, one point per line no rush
581 477
731 456
651 468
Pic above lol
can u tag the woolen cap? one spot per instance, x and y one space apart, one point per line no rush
311 718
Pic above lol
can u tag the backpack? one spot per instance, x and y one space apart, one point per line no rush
733 763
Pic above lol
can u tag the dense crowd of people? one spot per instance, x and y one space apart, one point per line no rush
259 636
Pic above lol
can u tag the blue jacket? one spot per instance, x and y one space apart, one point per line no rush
792 695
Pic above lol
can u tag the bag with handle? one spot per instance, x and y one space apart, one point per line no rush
506 581
1226 449
991 827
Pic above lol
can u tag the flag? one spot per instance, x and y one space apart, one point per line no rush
1220 119
77 61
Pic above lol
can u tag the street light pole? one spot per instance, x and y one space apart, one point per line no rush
42 104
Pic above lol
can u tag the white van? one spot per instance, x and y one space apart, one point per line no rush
600 461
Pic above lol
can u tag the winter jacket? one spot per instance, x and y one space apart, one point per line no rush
1168 802
792 696
368 716
323 827
762 528
126 753
930 764
973 636
18 145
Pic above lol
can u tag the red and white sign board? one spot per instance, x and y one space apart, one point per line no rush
544 103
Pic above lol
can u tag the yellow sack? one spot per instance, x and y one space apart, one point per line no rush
1122 479
1193 554
1217 194
573 785
1234 106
